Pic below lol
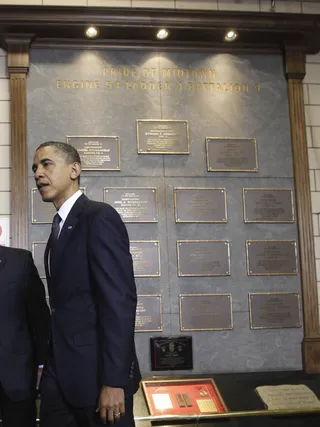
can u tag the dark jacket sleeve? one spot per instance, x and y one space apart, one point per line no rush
112 273
38 312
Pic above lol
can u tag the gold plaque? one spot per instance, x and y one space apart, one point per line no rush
163 136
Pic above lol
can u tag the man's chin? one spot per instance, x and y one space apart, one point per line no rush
46 197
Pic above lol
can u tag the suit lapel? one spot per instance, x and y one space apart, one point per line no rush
68 228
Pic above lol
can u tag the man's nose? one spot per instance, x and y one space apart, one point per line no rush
38 173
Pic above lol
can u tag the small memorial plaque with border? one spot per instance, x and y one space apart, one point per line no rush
149 313
196 396
146 257
272 310
231 154
134 204
268 205
163 136
43 212
97 153
271 257
200 204
171 353
38 249
203 258
205 312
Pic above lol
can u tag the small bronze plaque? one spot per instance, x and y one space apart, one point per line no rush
97 153
146 257
133 204
163 137
38 249
231 154
171 353
42 212
268 205
274 310
200 204
149 313
206 312
203 258
271 257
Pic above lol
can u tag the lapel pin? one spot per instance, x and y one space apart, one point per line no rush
70 227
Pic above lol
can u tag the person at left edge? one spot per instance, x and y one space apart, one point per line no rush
24 336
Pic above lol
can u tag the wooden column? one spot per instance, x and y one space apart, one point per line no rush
18 66
295 72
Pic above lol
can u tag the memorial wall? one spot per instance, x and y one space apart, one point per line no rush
193 150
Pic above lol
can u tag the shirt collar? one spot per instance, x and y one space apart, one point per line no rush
68 204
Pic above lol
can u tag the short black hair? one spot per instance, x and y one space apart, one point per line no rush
69 153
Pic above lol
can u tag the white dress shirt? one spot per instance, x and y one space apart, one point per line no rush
66 208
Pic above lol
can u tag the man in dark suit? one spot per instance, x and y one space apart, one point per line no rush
92 370
24 335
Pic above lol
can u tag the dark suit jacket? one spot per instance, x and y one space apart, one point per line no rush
93 304
24 323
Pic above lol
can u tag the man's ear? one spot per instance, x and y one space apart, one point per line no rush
75 171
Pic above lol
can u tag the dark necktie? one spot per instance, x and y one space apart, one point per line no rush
54 238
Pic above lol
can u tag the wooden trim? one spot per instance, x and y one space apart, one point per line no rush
188 28
18 65
295 72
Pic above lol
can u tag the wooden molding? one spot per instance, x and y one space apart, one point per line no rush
295 72
18 65
189 29
311 354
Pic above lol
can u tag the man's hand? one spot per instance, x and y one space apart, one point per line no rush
111 404
39 373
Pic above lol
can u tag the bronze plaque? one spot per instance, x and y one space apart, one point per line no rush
149 313
203 257
163 137
42 212
171 353
134 204
231 154
272 310
146 257
200 204
38 249
268 205
97 153
271 257
205 312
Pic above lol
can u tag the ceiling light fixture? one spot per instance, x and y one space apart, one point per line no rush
91 32
162 34
230 36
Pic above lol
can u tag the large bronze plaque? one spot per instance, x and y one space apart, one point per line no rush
268 205
149 313
42 212
163 137
272 310
97 153
146 257
203 258
231 154
38 249
205 312
171 353
271 257
200 204
134 204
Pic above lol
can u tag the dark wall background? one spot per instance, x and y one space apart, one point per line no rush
260 111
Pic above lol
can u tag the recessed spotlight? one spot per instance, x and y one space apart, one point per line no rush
162 34
91 32
230 36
